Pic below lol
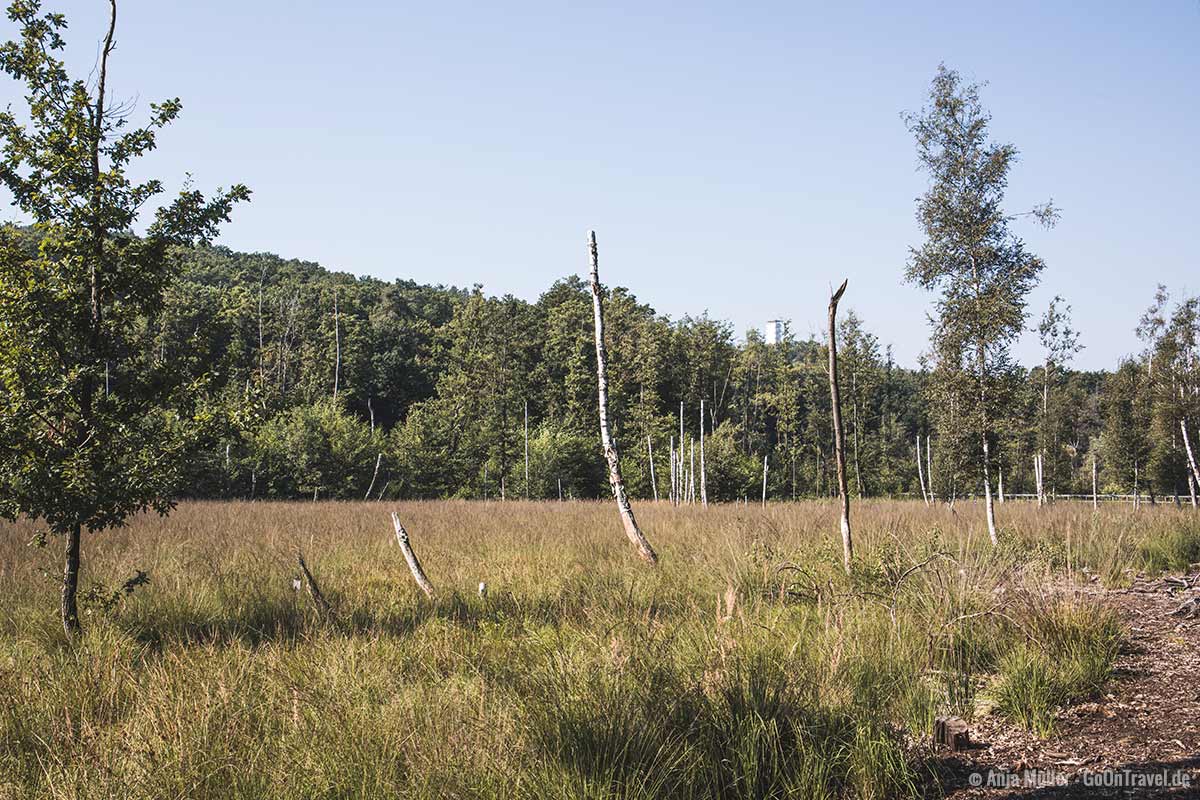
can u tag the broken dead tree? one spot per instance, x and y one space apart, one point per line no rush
324 609
610 447
414 566
839 439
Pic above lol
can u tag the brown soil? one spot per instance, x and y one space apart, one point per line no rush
1148 722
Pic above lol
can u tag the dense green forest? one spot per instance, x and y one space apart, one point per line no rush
306 379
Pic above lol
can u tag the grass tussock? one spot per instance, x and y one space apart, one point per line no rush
747 666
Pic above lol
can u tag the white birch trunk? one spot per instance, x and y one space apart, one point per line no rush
653 482
1095 485
764 486
1187 445
929 468
921 473
1000 484
610 447
692 471
374 476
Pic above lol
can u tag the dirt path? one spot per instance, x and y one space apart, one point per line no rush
1148 724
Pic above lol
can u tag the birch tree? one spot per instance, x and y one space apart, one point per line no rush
980 270
611 456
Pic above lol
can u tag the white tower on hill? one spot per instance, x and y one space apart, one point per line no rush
773 331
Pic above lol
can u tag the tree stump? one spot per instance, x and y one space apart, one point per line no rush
951 732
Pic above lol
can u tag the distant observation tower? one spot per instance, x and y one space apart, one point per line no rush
773 331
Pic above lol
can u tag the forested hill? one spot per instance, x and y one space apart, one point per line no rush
313 377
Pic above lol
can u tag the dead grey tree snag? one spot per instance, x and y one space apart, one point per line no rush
921 472
703 477
324 609
929 468
764 487
1187 443
650 452
839 442
691 471
1000 484
610 447
672 492
374 476
414 566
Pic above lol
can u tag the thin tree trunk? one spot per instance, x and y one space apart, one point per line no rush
1137 497
653 482
374 476
414 566
674 482
610 447
921 473
70 584
560 490
703 476
1192 489
1187 444
314 591
1000 484
1095 486
764 486
371 411
839 442
692 471
929 468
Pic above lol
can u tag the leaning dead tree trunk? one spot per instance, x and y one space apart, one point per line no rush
839 443
314 591
1187 444
610 447
653 481
374 476
414 566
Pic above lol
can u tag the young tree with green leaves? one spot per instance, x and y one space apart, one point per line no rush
970 257
1060 343
84 442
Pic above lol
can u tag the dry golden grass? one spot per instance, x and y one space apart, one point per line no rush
584 673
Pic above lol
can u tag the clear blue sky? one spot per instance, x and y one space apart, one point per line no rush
738 158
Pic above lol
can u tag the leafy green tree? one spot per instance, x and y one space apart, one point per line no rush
980 269
84 441
318 450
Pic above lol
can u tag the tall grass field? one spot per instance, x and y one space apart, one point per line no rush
747 665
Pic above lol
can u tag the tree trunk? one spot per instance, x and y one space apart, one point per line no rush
70 584
674 482
1000 484
610 447
653 482
703 477
1187 444
692 471
1095 486
929 468
374 476
764 486
921 473
839 443
414 566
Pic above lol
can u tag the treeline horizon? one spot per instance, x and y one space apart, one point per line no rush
314 383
